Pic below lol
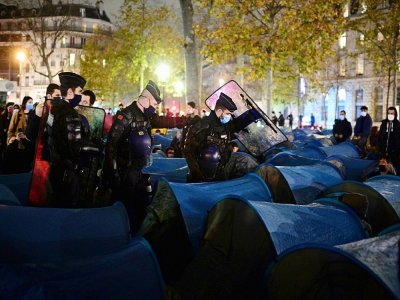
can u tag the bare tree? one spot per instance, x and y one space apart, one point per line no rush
44 25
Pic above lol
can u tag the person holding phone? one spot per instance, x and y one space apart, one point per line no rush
19 118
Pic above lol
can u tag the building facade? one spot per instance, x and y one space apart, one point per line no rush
352 79
72 23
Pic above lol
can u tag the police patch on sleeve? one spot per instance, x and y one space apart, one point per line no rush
120 117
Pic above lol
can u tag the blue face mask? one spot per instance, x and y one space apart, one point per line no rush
149 111
225 119
29 106
75 101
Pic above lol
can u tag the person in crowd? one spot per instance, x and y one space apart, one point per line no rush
128 150
312 120
362 129
176 143
203 113
18 122
5 119
206 146
281 120
385 167
18 155
290 118
190 118
389 137
342 130
65 141
120 107
34 117
88 98
372 146
170 152
274 118
300 121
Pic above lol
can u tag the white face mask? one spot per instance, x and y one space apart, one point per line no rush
341 117
390 117
363 113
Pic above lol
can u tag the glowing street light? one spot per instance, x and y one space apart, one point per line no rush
162 72
21 58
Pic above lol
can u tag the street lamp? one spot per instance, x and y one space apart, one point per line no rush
163 72
20 57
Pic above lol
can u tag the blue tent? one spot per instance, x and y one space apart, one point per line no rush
174 225
346 149
366 269
243 237
355 168
299 184
47 235
18 184
173 169
130 272
159 139
380 213
389 187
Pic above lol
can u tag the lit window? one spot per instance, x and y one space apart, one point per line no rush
63 41
95 27
84 26
72 59
342 95
362 39
342 67
360 64
380 36
82 12
346 11
363 7
342 41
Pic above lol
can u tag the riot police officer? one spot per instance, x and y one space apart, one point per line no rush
206 147
128 150
64 140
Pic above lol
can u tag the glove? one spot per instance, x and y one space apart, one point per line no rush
255 114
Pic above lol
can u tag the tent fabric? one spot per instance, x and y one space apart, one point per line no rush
288 159
173 169
195 200
303 182
46 235
346 149
159 139
129 273
290 225
309 152
389 187
18 184
356 168
7 197
366 269
380 214
243 237
175 221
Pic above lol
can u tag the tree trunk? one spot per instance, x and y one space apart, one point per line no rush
269 89
191 64
388 88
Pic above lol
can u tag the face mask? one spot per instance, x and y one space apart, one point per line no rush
29 106
225 119
390 117
382 168
149 111
364 113
341 117
75 101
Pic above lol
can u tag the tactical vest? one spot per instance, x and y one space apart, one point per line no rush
139 141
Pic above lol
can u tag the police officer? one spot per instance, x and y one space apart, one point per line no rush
65 140
207 148
128 150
